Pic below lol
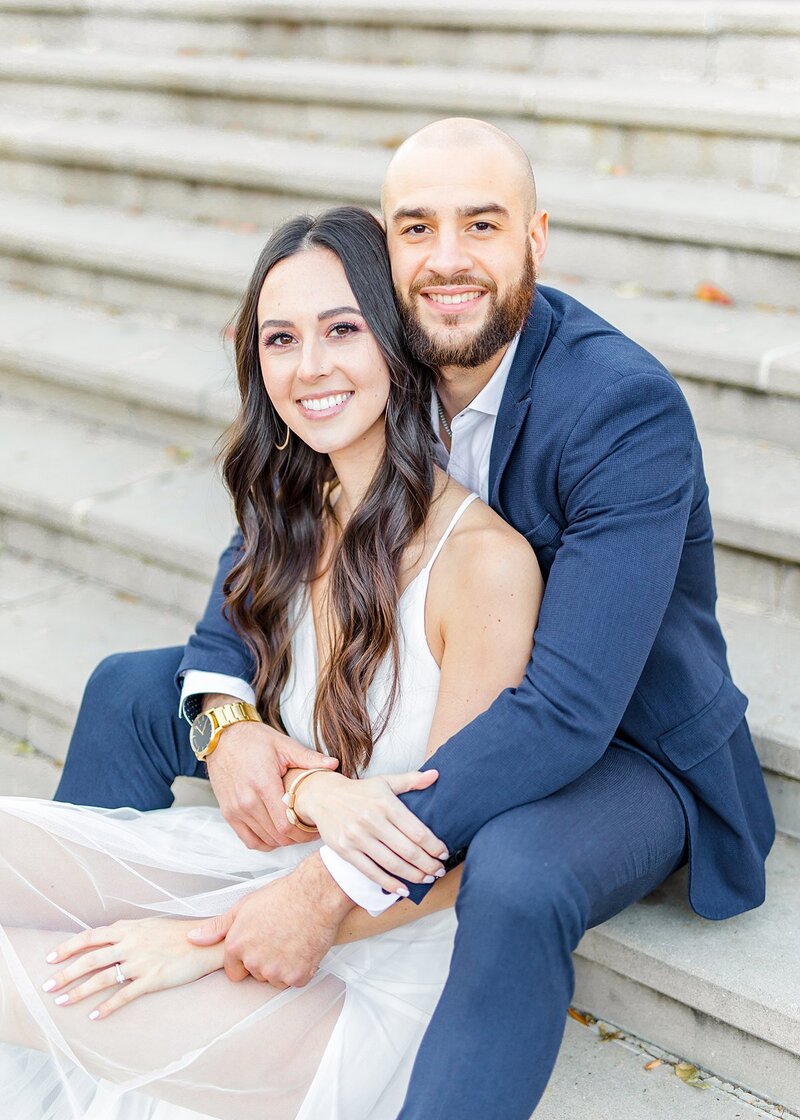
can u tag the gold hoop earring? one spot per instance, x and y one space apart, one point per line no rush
282 446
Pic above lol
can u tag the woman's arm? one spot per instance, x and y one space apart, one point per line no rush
481 613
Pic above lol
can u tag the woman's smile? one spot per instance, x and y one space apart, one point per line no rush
320 406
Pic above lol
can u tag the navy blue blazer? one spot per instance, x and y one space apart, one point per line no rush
596 461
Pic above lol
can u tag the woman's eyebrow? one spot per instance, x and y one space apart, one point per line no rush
322 315
338 311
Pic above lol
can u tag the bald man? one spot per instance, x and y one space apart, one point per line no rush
623 753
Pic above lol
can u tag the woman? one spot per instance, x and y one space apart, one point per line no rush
385 608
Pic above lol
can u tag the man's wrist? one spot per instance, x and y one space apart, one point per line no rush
333 901
216 700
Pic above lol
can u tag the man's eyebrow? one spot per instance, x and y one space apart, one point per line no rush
462 211
488 208
413 212
322 315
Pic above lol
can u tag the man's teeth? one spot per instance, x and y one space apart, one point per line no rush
461 297
319 404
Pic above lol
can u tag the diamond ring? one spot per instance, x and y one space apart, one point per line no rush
120 974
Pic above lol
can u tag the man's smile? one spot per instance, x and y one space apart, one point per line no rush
453 301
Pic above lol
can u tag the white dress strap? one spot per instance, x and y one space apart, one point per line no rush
470 498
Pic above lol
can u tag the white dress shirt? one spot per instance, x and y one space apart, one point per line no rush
467 463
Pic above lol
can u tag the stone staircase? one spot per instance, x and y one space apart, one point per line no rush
146 148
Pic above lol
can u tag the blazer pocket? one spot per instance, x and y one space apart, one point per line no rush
702 734
545 532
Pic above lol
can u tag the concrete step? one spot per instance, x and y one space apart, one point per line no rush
764 654
146 517
151 374
55 628
665 234
726 994
753 43
644 126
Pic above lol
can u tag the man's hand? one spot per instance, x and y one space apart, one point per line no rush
280 933
246 773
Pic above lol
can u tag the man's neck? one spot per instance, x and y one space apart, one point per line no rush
458 387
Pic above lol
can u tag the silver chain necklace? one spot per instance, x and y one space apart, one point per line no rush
443 416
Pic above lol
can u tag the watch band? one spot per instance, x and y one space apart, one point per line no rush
224 716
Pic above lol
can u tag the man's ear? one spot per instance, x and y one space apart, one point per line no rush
537 231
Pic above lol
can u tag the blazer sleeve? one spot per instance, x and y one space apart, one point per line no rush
626 480
215 646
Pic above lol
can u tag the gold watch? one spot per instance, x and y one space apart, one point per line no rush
208 726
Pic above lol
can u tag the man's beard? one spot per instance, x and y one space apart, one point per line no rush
506 317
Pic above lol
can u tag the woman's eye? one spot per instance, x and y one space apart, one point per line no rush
279 339
342 330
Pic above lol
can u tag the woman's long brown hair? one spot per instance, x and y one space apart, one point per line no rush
282 503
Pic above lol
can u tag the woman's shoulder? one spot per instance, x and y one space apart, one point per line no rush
484 551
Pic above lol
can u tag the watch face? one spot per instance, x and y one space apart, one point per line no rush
202 729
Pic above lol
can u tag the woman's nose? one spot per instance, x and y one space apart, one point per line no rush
314 363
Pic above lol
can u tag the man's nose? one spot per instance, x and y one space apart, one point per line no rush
448 256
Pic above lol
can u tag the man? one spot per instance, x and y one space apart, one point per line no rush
623 753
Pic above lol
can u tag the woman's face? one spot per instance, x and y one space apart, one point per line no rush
321 365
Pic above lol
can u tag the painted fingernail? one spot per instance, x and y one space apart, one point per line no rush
61 999
403 891
428 879
94 1014
48 985
51 957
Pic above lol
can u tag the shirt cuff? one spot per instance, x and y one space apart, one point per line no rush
197 683
355 884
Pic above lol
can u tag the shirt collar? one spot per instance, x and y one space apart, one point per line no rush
488 400
490 396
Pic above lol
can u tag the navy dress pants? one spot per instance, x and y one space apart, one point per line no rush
535 879
129 743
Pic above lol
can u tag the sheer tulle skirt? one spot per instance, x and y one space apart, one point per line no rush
339 1049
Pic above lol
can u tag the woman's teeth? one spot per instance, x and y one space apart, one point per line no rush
319 404
461 297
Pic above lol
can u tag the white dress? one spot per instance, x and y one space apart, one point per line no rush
341 1048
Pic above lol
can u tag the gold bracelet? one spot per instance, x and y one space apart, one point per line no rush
291 796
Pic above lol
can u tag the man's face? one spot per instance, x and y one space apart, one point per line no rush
463 253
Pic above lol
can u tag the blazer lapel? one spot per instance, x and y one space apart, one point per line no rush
517 396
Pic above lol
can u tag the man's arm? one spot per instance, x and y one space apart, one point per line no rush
215 647
626 483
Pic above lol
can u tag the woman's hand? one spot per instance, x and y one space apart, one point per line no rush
365 823
152 953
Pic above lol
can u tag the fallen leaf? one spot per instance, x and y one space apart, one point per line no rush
656 1062
606 1035
689 1075
710 293
179 454
126 597
579 1017
22 747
